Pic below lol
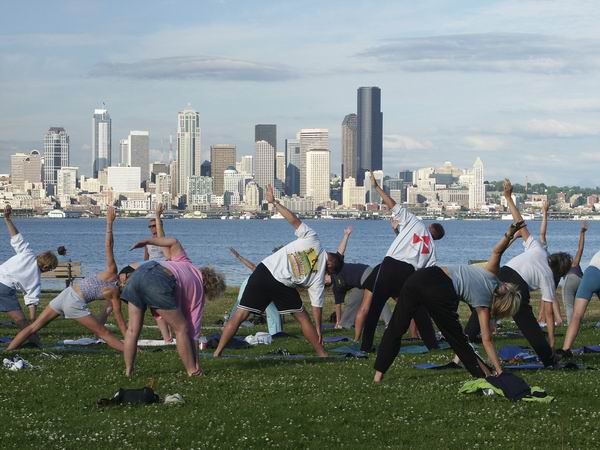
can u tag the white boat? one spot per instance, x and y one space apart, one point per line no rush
57 214
525 216
277 216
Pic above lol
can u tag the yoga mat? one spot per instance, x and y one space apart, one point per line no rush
283 334
82 341
591 349
443 345
516 352
330 339
75 348
5 339
450 365
154 343
414 349
346 349
567 366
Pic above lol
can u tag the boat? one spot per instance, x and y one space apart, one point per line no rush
525 216
57 214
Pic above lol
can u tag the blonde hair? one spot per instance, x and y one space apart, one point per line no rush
214 282
506 300
47 261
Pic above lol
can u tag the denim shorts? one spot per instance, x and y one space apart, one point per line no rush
70 304
150 286
8 299
590 284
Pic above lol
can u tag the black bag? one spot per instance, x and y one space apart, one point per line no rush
142 396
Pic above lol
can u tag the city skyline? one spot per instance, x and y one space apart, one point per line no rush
515 81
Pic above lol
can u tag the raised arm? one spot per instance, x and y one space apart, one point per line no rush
508 188
111 265
160 231
289 216
344 242
493 263
579 254
249 264
544 226
11 226
389 201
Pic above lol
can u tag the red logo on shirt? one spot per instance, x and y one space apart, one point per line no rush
425 240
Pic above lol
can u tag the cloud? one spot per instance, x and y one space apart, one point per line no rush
195 67
484 143
556 128
487 52
396 141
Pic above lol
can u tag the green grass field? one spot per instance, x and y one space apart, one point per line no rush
309 403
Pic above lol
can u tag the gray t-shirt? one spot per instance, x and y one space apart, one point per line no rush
474 285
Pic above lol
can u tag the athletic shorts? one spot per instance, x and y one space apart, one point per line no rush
151 286
590 284
8 299
369 282
70 304
262 288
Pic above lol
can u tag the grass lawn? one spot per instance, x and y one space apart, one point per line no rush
310 403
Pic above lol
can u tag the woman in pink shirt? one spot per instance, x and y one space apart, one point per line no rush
177 290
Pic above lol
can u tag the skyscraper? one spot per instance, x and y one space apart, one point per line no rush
292 172
310 138
188 147
370 131
222 156
56 155
280 166
264 165
124 151
25 168
101 140
139 152
266 132
66 182
247 166
317 175
349 147
476 186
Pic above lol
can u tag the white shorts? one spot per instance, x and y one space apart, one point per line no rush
70 304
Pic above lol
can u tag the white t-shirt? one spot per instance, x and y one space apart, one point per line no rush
21 272
155 253
533 267
413 244
595 261
301 263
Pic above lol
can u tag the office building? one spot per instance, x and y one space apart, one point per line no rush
66 182
267 133
222 156
292 175
56 155
317 175
349 147
101 140
139 152
123 179
188 147
310 138
476 186
369 131
352 195
264 165
25 168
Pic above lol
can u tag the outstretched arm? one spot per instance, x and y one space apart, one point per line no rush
344 242
579 254
173 245
513 208
11 226
289 216
493 264
249 264
111 265
544 226
389 201
483 314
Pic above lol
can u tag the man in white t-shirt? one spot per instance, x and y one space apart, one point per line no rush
301 263
413 249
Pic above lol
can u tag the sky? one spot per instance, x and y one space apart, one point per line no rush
514 82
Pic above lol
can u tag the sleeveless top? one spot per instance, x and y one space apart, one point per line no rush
91 287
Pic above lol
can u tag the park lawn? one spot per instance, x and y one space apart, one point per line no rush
309 403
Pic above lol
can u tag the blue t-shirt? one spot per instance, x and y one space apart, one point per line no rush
474 285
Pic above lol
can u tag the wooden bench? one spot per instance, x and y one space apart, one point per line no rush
67 271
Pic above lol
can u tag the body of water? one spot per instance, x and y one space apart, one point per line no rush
207 241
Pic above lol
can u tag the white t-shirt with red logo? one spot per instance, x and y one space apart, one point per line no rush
413 244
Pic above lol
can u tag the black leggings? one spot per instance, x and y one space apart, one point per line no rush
389 282
432 289
525 319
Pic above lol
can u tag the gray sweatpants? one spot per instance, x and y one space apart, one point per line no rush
568 293
352 304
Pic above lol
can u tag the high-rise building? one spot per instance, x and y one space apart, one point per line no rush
247 165
188 147
139 151
292 173
123 179
349 147
222 156
124 152
173 173
280 166
353 195
252 196
476 186
370 131
200 190
56 155
317 175
310 138
266 132
163 183
66 182
101 140
264 165
234 182
25 168
205 169
156 168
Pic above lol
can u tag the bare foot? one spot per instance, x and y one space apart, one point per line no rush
378 377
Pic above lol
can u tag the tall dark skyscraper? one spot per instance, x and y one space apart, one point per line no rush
266 132
370 131
349 147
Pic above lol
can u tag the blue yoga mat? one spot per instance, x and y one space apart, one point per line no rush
414 349
330 339
432 366
346 349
